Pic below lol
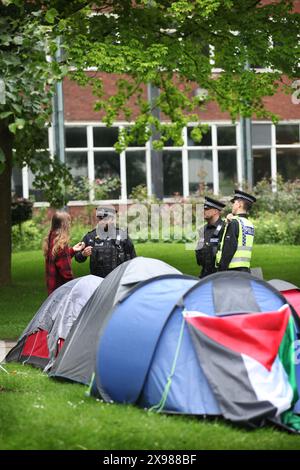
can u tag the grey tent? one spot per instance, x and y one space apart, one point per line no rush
77 358
281 285
42 338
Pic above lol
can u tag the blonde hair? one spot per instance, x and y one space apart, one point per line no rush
60 226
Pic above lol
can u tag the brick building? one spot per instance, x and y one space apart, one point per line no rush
216 162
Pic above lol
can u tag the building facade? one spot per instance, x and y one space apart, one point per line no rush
215 164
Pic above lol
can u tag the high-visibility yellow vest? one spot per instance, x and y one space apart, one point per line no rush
242 256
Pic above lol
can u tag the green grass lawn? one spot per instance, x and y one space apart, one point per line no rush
39 413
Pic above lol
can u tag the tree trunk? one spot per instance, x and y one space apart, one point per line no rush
6 141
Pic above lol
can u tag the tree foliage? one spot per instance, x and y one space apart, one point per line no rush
28 37
165 43
168 44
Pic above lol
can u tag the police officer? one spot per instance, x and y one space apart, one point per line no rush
106 245
213 230
235 249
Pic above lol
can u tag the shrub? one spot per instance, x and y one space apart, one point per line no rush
285 199
278 228
21 210
104 188
32 234
29 237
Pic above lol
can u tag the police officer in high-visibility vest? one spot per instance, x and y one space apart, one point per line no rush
208 244
235 249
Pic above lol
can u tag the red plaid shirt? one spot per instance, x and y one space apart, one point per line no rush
58 268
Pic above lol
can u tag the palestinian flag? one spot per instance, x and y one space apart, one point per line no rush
248 361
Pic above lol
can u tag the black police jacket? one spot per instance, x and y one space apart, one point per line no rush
107 253
206 256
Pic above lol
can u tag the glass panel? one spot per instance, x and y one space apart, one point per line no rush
16 182
206 138
226 135
75 137
261 164
107 164
77 162
288 163
105 136
200 171
227 171
36 194
172 172
287 134
261 134
135 169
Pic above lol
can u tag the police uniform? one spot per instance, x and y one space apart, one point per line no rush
208 245
236 244
110 248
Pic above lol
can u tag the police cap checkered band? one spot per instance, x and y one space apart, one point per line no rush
210 203
242 195
103 211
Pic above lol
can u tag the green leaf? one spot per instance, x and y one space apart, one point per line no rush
51 15
18 40
20 123
12 127
5 114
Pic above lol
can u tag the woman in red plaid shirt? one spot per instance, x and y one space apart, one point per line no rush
57 252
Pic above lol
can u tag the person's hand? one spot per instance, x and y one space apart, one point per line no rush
79 246
229 218
87 251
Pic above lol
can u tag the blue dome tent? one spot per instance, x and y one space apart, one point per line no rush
149 355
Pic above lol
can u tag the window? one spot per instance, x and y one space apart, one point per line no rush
105 136
172 172
261 134
107 164
135 169
261 164
227 171
75 137
17 185
287 134
226 135
77 162
288 163
200 171
36 194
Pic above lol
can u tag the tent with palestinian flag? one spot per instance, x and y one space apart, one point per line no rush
292 295
243 360
289 291
223 345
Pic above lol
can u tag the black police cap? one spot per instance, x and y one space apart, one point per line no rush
242 195
103 211
210 203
